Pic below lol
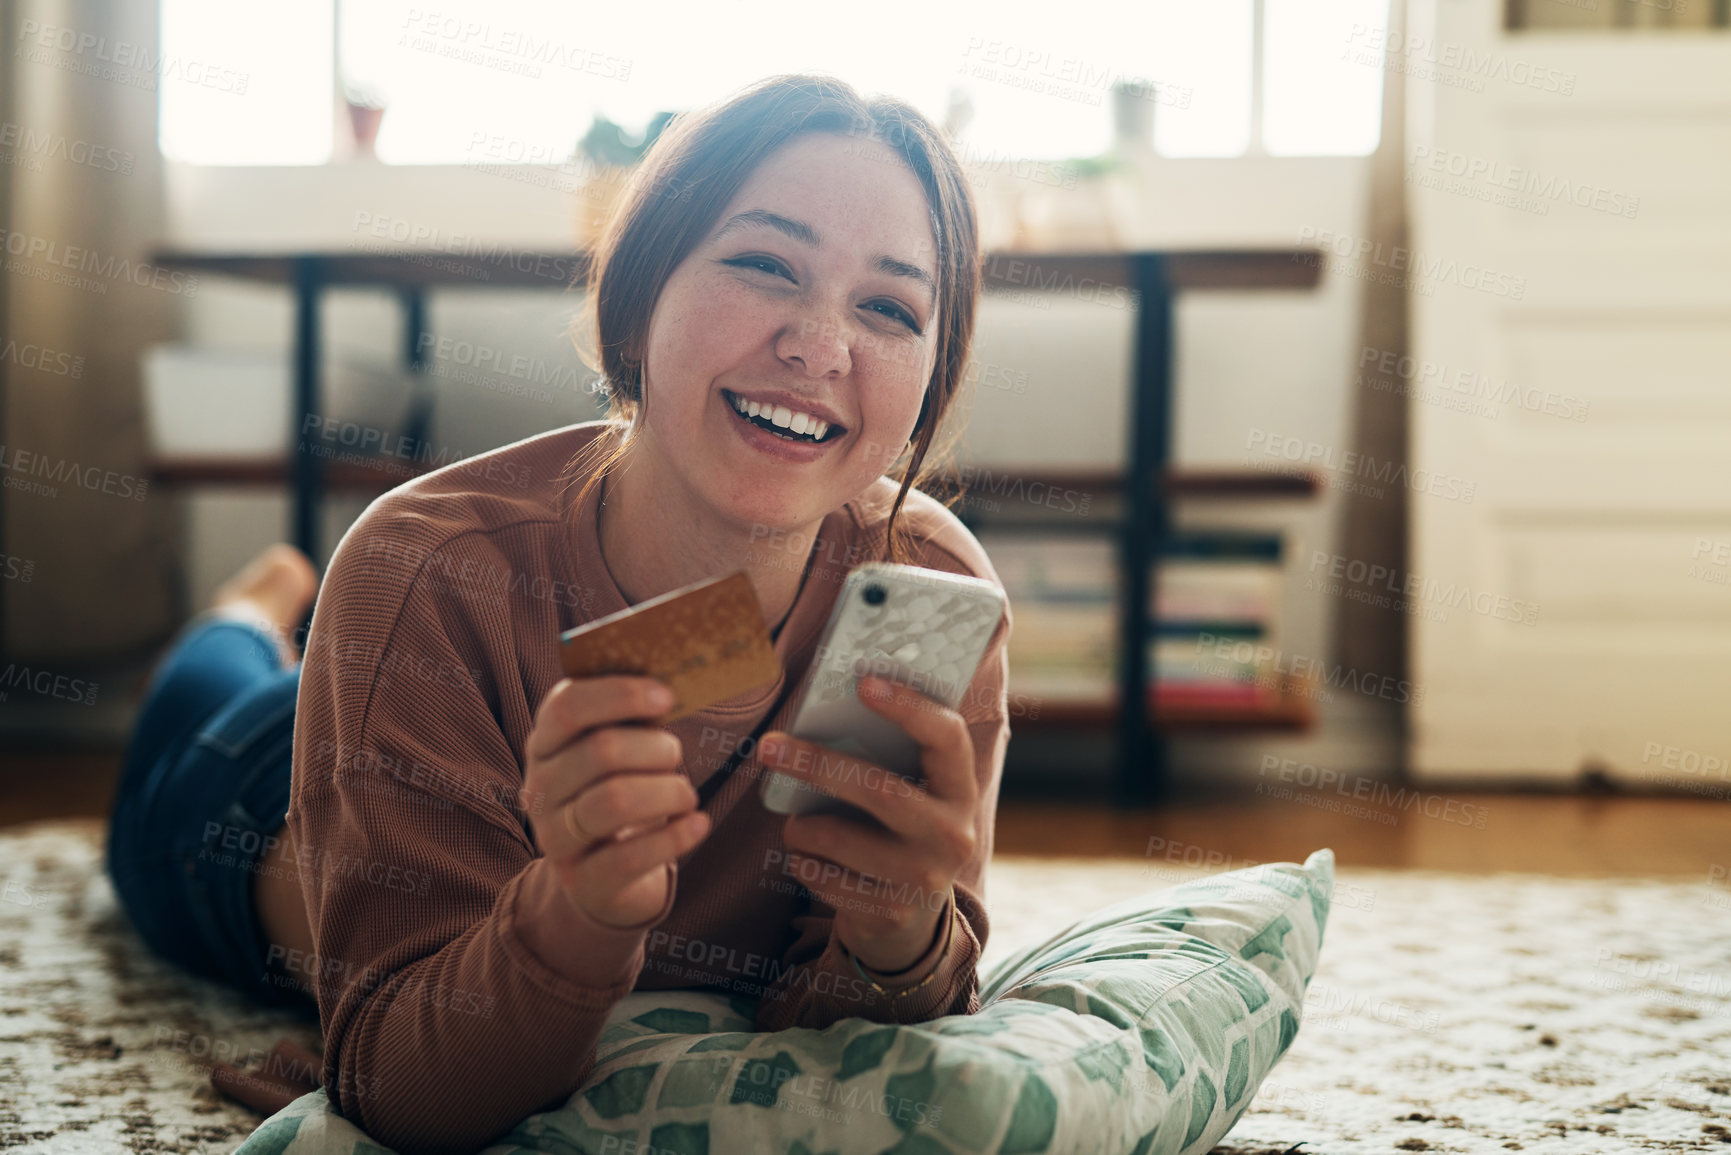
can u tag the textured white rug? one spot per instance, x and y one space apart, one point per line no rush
1451 1013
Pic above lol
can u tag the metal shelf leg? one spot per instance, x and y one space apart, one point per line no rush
308 465
1142 769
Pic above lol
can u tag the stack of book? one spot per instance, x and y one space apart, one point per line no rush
1215 617
1216 620
1064 598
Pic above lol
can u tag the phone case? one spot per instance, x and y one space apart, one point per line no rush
919 627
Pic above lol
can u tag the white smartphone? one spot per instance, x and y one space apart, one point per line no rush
922 628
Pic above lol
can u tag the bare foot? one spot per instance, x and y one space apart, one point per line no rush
272 590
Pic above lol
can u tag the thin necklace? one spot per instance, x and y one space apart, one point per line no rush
774 633
804 574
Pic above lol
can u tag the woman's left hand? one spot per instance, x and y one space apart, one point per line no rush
890 885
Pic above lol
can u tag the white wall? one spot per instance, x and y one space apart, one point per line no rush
1281 361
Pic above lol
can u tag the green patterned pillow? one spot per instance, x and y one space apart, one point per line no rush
1145 1028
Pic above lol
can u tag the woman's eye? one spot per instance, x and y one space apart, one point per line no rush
899 313
774 267
767 264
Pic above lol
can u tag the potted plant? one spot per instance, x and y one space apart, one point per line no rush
1079 213
607 156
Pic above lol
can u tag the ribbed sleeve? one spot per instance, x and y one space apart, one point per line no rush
442 1028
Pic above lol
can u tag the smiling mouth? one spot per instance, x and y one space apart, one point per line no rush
785 423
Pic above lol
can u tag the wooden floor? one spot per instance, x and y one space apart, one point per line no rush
1539 833
1596 834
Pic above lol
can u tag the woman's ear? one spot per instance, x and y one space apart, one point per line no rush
633 387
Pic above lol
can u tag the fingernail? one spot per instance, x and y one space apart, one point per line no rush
660 697
874 687
771 745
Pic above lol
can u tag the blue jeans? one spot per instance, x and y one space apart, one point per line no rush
203 790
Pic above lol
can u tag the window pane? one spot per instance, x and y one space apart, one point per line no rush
1047 94
1320 98
486 81
1036 92
1201 54
501 81
245 82
469 82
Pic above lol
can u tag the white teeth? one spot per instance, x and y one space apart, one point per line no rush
785 418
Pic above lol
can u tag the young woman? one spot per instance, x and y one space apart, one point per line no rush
478 857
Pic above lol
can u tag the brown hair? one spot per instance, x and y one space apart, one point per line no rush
690 175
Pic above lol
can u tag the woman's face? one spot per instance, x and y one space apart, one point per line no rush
814 294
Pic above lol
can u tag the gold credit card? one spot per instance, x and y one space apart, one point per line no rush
707 641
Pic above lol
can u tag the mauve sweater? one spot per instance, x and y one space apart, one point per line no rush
433 641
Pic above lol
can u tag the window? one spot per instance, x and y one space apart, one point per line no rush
1318 97
490 81
277 110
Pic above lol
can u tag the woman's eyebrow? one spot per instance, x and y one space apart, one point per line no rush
806 235
798 230
902 269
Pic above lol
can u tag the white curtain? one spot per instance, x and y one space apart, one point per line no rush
1371 639
82 198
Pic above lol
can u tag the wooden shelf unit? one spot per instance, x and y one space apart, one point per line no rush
1289 709
1289 712
374 476
1149 280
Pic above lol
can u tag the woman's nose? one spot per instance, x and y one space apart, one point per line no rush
818 342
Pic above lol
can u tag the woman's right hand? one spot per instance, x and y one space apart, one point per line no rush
607 803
